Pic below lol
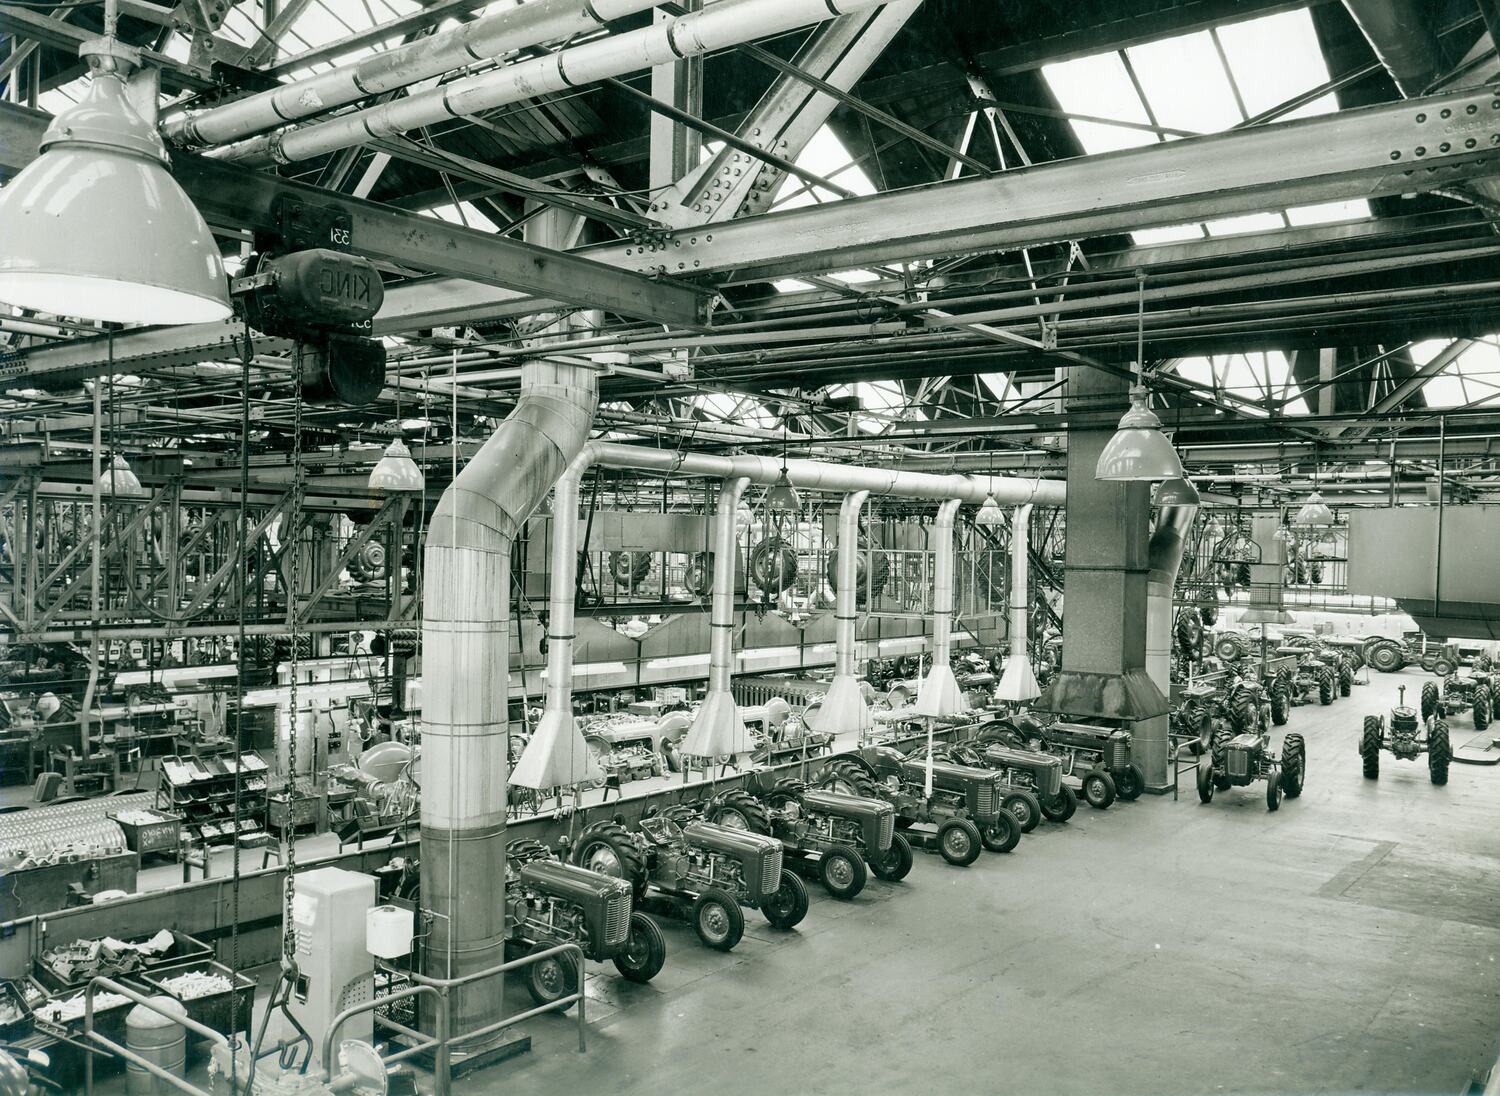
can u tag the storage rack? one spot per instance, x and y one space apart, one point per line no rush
201 790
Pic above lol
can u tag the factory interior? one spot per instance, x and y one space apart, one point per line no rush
727 546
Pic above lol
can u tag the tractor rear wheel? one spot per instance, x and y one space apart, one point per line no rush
1443 666
1099 789
1061 808
894 864
1481 707
1130 782
718 920
959 842
1001 834
1205 781
551 979
1024 808
1385 656
607 848
1369 746
740 811
1439 752
849 777
645 950
788 906
1346 678
1273 788
1326 686
842 871
1281 703
1293 765
1429 699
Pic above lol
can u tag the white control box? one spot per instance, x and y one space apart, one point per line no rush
334 970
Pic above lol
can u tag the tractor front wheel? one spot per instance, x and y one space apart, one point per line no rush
717 920
1024 808
959 842
1062 808
894 864
550 980
842 871
788 906
1205 782
1273 788
1099 789
1002 834
645 950
1439 752
1130 782
1369 747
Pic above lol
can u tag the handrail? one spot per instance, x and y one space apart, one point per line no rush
442 1078
124 1052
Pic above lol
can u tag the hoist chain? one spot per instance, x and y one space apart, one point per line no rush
294 587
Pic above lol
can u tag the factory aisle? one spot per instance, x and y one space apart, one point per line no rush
1348 942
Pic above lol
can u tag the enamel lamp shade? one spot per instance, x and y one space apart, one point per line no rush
1139 451
396 472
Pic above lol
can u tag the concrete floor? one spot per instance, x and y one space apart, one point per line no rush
1348 942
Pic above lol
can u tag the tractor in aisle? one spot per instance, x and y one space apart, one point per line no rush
1408 737
838 838
1240 758
965 810
548 903
1315 677
1474 693
680 866
1389 655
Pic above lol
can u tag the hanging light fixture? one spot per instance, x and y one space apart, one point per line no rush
989 514
782 497
1176 492
396 472
1139 451
120 480
1314 512
95 226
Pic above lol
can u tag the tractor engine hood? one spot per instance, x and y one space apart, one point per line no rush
574 884
735 842
950 776
842 805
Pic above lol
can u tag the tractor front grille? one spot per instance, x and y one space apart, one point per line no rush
770 870
1118 754
887 829
1238 763
984 800
617 919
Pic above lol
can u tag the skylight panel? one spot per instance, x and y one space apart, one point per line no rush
1248 222
1100 86
1185 83
1356 209
1274 58
1170 234
824 155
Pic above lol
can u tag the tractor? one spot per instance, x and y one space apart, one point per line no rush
1389 655
548 903
1239 758
1099 757
626 751
1314 676
828 834
966 807
1337 656
686 868
1034 779
1408 737
1475 694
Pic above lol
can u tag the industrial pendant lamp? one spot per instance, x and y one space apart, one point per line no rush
95 226
989 514
395 472
120 480
1139 451
1177 492
1314 512
782 497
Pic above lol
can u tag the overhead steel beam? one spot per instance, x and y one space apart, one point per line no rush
230 195
1419 145
41 27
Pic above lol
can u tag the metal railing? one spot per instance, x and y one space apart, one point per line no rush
90 1035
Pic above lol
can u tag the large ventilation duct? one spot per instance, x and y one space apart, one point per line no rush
486 38
1404 38
556 756
844 707
939 693
1165 557
720 729
465 645
715 27
1018 682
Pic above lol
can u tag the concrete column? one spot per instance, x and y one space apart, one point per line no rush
1268 577
1103 672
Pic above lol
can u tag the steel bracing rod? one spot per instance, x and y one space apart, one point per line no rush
117 544
1352 154
354 547
208 588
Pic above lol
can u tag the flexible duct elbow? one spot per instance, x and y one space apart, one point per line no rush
1164 560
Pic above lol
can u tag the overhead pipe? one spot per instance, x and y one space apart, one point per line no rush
844 706
485 39
466 593
719 728
1018 682
939 693
557 756
1404 38
718 26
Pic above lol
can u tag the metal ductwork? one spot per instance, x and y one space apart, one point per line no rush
939 693
485 39
718 26
466 595
844 707
556 756
1404 38
1018 682
719 728
1164 558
